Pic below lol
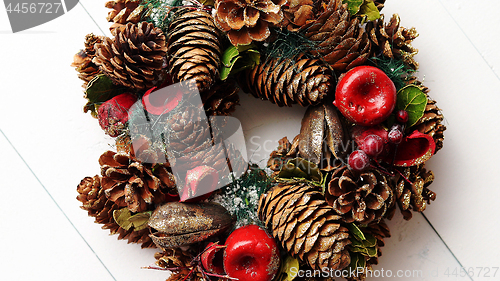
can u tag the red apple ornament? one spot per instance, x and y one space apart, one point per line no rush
113 114
251 254
365 95
201 181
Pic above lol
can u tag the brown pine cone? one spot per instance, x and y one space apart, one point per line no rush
282 155
359 197
221 99
86 69
304 224
248 20
178 261
414 196
124 11
194 49
341 41
134 58
132 184
288 81
94 200
379 4
393 41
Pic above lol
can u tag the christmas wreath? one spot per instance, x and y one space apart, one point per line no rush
164 87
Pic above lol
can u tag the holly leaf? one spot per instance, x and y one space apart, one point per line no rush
101 89
121 217
356 232
369 11
238 58
353 6
412 99
299 168
140 220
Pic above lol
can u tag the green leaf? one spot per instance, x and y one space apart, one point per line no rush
369 11
353 6
122 217
370 241
301 169
101 89
412 99
356 232
140 220
238 58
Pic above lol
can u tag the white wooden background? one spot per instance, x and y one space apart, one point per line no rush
47 145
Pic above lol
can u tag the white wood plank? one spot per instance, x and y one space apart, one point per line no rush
98 12
37 241
468 92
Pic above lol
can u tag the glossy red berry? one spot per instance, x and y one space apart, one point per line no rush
402 116
373 145
251 254
395 134
365 95
358 160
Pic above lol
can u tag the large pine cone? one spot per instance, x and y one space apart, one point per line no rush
132 184
393 41
94 200
221 99
248 20
288 81
194 49
305 225
124 11
359 197
134 58
341 41
414 196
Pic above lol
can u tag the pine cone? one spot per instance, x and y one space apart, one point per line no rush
179 261
282 155
194 49
287 81
415 196
132 184
360 197
379 4
124 11
94 201
246 21
306 226
299 13
221 99
393 41
134 58
82 61
341 41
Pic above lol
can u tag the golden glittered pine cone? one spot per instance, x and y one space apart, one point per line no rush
95 202
194 49
221 99
134 58
340 39
301 220
132 184
393 41
82 61
301 80
411 191
245 21
359 197
124 11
